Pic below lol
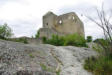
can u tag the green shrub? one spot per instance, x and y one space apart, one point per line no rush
102 42
44 39
104 45
43 66
55 40
99 66
73 40
5 32
89 38
58 72
99 40
31 55
98 48
22 40
37 34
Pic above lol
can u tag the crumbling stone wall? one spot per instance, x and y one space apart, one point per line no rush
68 23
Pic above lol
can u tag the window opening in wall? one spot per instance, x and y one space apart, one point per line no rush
60 21
73 17
46 23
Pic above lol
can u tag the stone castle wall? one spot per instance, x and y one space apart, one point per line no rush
61 25
69 24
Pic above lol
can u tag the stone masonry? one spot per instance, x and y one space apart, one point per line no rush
65 24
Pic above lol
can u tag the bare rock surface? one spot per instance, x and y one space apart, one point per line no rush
26 59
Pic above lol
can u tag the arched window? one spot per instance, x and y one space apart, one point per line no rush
60 21
73 17
46 23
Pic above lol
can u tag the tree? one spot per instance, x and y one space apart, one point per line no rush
37 34
104 22
89 38
5 31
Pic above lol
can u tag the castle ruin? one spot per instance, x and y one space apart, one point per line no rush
65 24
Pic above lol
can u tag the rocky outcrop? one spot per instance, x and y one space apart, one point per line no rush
26 59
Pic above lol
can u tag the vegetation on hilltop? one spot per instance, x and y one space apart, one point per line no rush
89 38
72 40
37 34
6 34
5 31
102 65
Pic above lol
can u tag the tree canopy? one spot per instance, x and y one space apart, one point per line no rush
5 31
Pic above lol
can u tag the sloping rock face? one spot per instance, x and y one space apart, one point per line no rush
25 59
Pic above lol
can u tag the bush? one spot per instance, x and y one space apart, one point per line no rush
104 46
99 66
55 40
37 34
89 38
44 39
73 40
5 32
103 64
22 40
99 40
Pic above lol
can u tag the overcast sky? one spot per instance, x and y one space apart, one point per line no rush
25 16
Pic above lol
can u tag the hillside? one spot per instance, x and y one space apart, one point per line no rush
25 59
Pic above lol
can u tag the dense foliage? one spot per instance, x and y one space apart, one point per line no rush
73 40
89 38
22 40
5 31
55 40
104 45
99 66
102 65
37 34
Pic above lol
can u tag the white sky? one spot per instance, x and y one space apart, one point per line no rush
25 16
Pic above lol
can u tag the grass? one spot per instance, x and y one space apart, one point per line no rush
102 64
68 40
31 55
22 40
99 66
43 66
58 72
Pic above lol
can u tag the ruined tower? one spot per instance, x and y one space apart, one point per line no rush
68 23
